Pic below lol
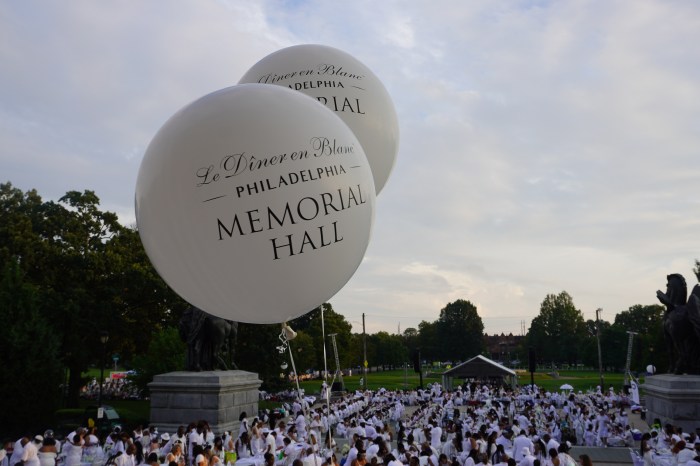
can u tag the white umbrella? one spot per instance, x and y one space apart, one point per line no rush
566 386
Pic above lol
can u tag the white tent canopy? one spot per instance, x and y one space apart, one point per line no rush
479 367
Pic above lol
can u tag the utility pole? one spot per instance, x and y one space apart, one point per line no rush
600 352
364 352
629 356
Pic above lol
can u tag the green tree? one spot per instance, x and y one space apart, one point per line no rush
166 353
410 338
90 274
354 352
558 331
613 342
142 301
460 331
29 389
390 351
256 351
428 342
589 345
333 323
303 349
647 322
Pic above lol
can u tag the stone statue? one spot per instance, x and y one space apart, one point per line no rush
681 324
210 340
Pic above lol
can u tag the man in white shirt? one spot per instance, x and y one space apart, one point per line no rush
523 421
270 444
519 444
504 439
300 424
196 437
550 442
436 436
370 432
126 458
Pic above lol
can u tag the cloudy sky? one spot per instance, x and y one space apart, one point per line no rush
545 146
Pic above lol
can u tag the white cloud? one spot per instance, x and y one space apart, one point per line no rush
545 146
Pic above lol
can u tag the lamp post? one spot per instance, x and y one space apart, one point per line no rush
364 353
600 353
104 338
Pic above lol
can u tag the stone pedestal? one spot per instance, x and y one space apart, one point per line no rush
219 397
674 399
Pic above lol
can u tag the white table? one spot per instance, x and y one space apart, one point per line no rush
251 461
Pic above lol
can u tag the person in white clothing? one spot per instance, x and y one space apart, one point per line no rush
17 450
300 424
127 458
550 442
30 455
195 438
73 452
528 458
436 436
519 444
312 458
683 453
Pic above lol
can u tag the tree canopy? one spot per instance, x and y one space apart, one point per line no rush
557 332
89 274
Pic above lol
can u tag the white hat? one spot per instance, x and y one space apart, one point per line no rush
38 439
165 436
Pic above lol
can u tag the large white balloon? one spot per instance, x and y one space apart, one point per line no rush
255 203
344 85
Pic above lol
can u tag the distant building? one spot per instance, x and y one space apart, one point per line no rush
503 348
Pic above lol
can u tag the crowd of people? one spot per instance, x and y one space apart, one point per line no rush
473 425
112 389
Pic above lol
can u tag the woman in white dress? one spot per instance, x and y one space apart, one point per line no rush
243 426
47 453
646 451
73 451
92 451
243 447
603 421
256 441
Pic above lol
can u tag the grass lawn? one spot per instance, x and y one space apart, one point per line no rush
392 380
